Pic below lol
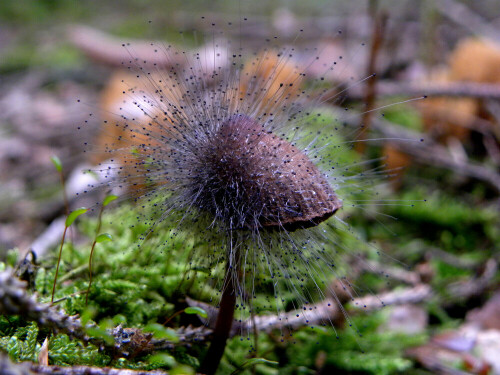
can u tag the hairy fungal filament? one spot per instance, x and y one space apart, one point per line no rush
237 156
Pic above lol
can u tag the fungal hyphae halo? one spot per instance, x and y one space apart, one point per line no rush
244 155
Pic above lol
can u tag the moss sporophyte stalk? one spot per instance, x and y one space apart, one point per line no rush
236 149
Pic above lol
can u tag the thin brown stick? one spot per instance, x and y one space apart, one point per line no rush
58 262
99 223
379 23
65 194
451 89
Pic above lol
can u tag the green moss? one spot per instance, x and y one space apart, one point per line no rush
21 345
137 282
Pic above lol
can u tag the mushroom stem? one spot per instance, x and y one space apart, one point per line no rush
225 317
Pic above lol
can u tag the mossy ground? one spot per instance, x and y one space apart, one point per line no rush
136 286
136 283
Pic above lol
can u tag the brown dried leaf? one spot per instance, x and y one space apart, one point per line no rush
43 356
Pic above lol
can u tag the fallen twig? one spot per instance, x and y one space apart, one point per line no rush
424 150
379 20
451 89
438 156
26 368
452 259
395 273
110 51
328 310
325 311
459 13
14 300
88 370
474 287
427 357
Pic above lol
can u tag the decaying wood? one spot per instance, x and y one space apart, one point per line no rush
108 50
462 15
325 311
111 51
477 286
88 370
395 273
426 356
424 150
329 310
8 367
449 89
14 300
452 259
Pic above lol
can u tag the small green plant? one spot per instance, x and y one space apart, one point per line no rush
69 220
58 165
103 237
71 217
189 310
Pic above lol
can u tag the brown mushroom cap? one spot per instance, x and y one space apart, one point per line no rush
272 180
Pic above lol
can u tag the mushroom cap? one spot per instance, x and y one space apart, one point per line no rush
255 179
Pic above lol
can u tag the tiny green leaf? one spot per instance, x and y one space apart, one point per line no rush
100 333
162 359
182 369
161 332
106 324
92 173
12 256
88 314
119 319
73 215
57 163
103 237
109 199
252 362
196 310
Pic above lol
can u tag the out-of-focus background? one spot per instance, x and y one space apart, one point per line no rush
55 52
